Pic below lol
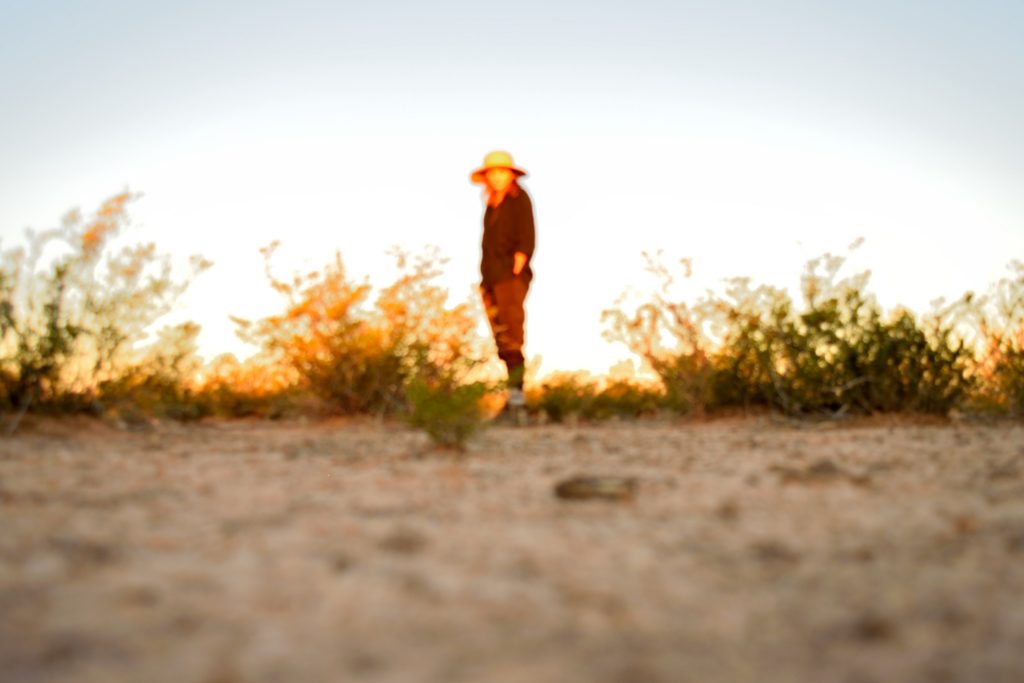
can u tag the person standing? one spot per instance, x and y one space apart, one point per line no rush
507 247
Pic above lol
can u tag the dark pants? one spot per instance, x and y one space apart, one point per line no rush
504 305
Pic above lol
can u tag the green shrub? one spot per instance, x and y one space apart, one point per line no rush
839 352
566 396
73 313
626 399
447 410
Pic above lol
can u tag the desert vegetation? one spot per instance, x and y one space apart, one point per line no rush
615 542
79 316
73 311
836 351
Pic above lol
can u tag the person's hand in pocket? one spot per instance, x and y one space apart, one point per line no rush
519 263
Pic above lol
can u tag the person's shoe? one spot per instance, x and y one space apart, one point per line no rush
516 399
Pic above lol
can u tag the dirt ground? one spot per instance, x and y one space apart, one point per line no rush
754 550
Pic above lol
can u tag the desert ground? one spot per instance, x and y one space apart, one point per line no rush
754 549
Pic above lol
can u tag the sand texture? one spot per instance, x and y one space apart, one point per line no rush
751 549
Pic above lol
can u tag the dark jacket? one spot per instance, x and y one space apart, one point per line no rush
508 228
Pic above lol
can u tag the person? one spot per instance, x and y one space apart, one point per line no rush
507 248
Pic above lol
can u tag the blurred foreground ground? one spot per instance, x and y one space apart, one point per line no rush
756 550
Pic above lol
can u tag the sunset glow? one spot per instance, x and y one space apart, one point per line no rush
745 138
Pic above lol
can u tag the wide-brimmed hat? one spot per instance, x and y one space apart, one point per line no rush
495 159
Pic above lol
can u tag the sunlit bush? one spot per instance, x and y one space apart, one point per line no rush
254 388
563 396
626 399
1000 367
569 396
837 352
73 311
361 357
159 383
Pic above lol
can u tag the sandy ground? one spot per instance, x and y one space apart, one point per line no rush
755 550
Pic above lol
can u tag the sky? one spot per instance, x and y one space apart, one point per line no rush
748 136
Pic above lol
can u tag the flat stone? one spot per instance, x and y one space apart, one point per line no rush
596 488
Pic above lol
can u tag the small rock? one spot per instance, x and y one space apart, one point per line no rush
728 511
340 562
404 542
596 488
64 648
820 471
85 552
775 551
1015 542
823 469
142 596
873 628
861 554
966 524
1006 470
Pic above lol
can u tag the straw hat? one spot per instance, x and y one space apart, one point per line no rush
495 159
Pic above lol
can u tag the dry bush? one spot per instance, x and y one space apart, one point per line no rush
568 396
254 388
626 398
838 352
73 310
562 396
361 357
160 382
1000 364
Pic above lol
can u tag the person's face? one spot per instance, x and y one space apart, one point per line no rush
498 179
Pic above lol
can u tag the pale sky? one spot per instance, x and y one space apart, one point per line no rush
749 136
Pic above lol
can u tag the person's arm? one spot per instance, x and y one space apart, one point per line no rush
520 263
525 237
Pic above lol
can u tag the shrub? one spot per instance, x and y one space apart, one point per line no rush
839 352
159 384
73 313
564 396
255 388
361 358
447 410
999 386
626 399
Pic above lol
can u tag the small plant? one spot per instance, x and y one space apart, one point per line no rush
448 411
622 398
565 396
571 396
